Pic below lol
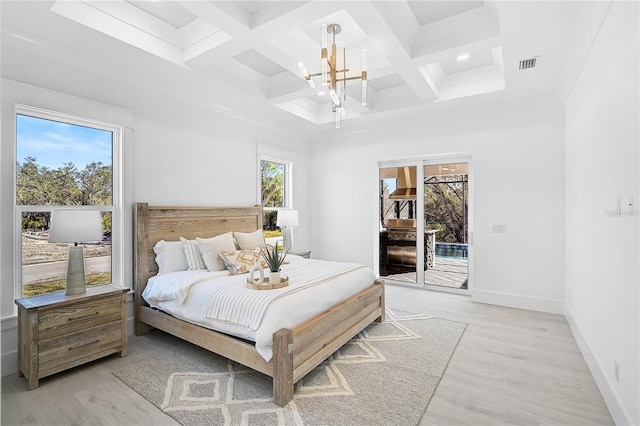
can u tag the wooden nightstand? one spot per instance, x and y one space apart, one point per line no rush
305 254
57 332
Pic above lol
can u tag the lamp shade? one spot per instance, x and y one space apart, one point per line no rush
73 226
287 218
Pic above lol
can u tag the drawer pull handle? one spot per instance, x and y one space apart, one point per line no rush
86 345
85 316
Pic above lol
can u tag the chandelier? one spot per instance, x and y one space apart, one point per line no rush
334 75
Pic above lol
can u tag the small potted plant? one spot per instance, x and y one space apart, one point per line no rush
274 261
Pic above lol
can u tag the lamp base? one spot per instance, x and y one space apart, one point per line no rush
287 241
75 272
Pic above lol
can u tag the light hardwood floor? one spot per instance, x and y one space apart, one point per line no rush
511 367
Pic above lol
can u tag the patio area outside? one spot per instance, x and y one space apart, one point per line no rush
449 272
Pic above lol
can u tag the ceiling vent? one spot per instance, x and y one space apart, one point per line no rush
525 64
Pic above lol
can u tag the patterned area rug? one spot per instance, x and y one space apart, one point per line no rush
384 376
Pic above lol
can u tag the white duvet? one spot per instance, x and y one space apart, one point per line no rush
190 295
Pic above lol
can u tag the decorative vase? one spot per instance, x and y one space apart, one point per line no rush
256 268
274 277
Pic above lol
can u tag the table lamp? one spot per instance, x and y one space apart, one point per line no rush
74 226
287 219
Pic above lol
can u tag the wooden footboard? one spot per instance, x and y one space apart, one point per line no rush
296 351
299 350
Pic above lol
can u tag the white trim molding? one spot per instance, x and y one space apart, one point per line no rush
609 394
531 303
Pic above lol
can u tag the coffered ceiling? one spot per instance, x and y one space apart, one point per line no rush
241 57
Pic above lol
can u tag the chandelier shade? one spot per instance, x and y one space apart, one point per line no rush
333 75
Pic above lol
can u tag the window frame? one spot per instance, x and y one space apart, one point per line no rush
116 207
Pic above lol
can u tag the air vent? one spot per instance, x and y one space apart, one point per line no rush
525 64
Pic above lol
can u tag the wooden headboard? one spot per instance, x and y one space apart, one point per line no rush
155 223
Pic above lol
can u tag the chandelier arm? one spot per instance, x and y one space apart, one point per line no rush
355 77
344 73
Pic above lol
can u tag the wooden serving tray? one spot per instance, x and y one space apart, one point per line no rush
284 281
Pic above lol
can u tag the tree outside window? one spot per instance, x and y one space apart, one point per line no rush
274 192
61 164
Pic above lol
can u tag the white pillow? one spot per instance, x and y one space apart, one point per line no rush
211 247
170 257
250 240
192 254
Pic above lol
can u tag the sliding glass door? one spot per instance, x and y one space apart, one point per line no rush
446 216
425 230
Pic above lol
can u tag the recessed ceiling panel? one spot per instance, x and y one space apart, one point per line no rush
167 11
387 82
250 6
258 62
427 12
466 61
321 97
463 84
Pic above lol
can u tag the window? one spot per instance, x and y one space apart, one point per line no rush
64 162
275 192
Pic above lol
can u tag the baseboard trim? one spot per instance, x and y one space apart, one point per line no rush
618 413
517 301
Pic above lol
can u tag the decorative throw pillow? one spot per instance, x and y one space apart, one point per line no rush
239 261
192 254
250 240
170 257
210 247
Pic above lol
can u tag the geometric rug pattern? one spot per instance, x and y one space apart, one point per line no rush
408 351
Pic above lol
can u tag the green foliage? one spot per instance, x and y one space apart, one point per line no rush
66 186
273 258
446 207
59 285
272 234
272 183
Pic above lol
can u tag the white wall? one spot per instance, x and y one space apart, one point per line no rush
194 158
602 255
518 181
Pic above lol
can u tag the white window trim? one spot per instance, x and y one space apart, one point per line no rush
116 209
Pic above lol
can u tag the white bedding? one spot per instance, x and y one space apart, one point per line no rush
187 295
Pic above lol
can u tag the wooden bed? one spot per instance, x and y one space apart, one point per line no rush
296 351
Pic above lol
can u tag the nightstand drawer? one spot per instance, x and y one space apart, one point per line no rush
60 320
62 352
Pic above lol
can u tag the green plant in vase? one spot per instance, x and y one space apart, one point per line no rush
274 262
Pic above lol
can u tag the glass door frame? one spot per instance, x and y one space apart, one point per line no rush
419 163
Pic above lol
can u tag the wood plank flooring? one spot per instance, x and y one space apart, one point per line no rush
512 367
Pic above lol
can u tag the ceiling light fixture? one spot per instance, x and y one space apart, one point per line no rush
331 75
462 57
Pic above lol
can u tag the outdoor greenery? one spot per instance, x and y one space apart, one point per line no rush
445 208
272 191
38 185
59 285
272 186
